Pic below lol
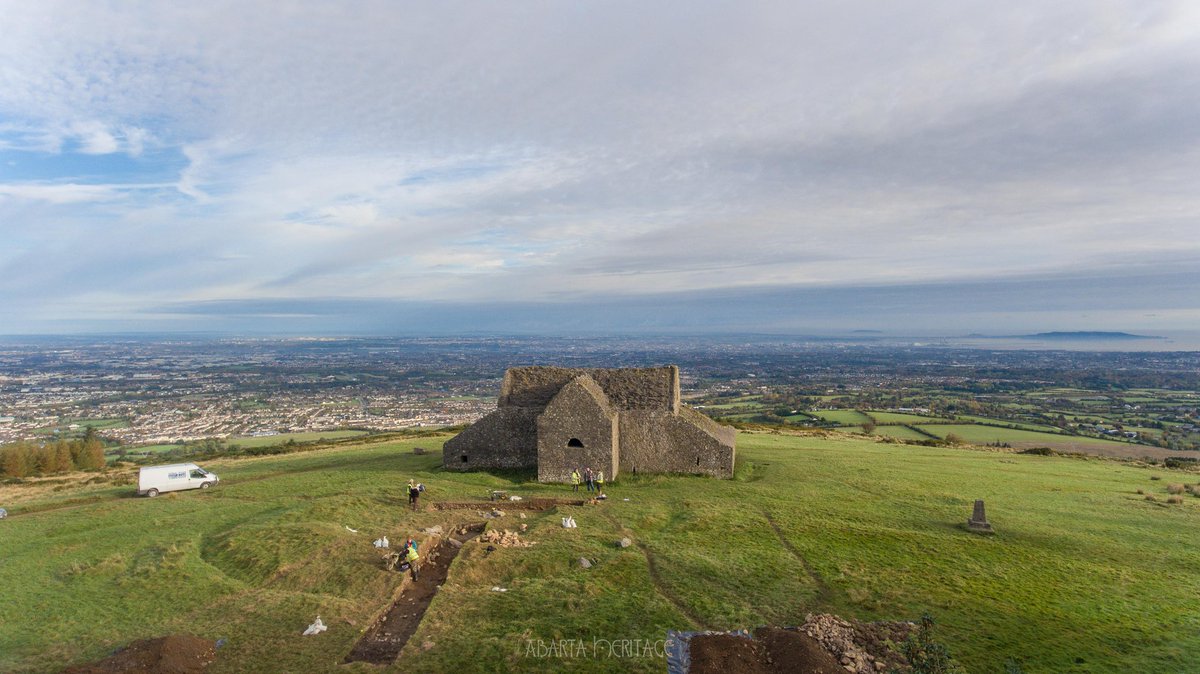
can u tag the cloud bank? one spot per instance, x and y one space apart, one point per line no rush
617 155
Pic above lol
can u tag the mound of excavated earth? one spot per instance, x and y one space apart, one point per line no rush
824 644
175 654
772 651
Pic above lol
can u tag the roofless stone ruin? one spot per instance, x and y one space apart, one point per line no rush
628 419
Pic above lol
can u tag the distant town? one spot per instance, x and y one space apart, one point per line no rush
159 393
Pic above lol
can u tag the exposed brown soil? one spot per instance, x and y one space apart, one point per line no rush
175 654
874 637
525 504
772 651
383 641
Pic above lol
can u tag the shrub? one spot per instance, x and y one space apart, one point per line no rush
954 439
1038 451
926 655
1150 497
1155 477
1141 491
1174 489
1175 499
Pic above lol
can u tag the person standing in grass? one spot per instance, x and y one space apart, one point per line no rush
575 480
413 493
590 478
600 481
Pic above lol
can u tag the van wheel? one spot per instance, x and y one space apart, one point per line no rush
205 485
151 493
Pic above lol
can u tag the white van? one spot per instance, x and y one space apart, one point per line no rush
154 480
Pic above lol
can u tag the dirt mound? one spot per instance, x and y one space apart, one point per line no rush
772 651
505 539
175 654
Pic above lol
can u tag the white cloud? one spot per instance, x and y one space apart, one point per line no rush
94 138
542 149
68 193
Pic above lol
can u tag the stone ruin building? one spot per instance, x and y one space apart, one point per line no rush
614 420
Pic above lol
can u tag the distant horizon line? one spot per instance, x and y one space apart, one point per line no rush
857 334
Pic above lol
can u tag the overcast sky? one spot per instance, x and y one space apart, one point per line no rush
954 165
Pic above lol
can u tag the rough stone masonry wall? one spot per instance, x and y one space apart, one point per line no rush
580 411
506 438
649 388
659 442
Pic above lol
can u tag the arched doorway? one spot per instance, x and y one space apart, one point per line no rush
575 442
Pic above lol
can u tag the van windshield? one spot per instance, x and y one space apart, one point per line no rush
199 472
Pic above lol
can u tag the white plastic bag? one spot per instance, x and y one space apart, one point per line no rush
569 523
316 628
381 542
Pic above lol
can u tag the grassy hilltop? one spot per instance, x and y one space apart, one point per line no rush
1083 575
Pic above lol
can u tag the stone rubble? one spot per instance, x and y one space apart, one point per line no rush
504 539
840 639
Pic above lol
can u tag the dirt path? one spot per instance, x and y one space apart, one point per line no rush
655 577
824 592
383 641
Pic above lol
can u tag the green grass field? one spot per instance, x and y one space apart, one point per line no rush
155 449
987 434
259 441
903 418
98 424
1083 574
1004 422
899 432
844 417
270 440
64 426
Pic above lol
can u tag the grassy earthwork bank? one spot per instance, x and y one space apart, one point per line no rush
1083 575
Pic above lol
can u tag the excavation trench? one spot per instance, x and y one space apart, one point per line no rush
383 641
526 504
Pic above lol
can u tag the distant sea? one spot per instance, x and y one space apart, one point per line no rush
1174 340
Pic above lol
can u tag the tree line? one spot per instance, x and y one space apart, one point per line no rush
24 459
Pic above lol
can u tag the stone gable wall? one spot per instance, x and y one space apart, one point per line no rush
654 388
577 412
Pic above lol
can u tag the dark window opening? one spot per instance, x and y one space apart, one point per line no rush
464 458
697 461
574 442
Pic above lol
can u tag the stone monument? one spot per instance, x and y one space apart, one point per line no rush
978 522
